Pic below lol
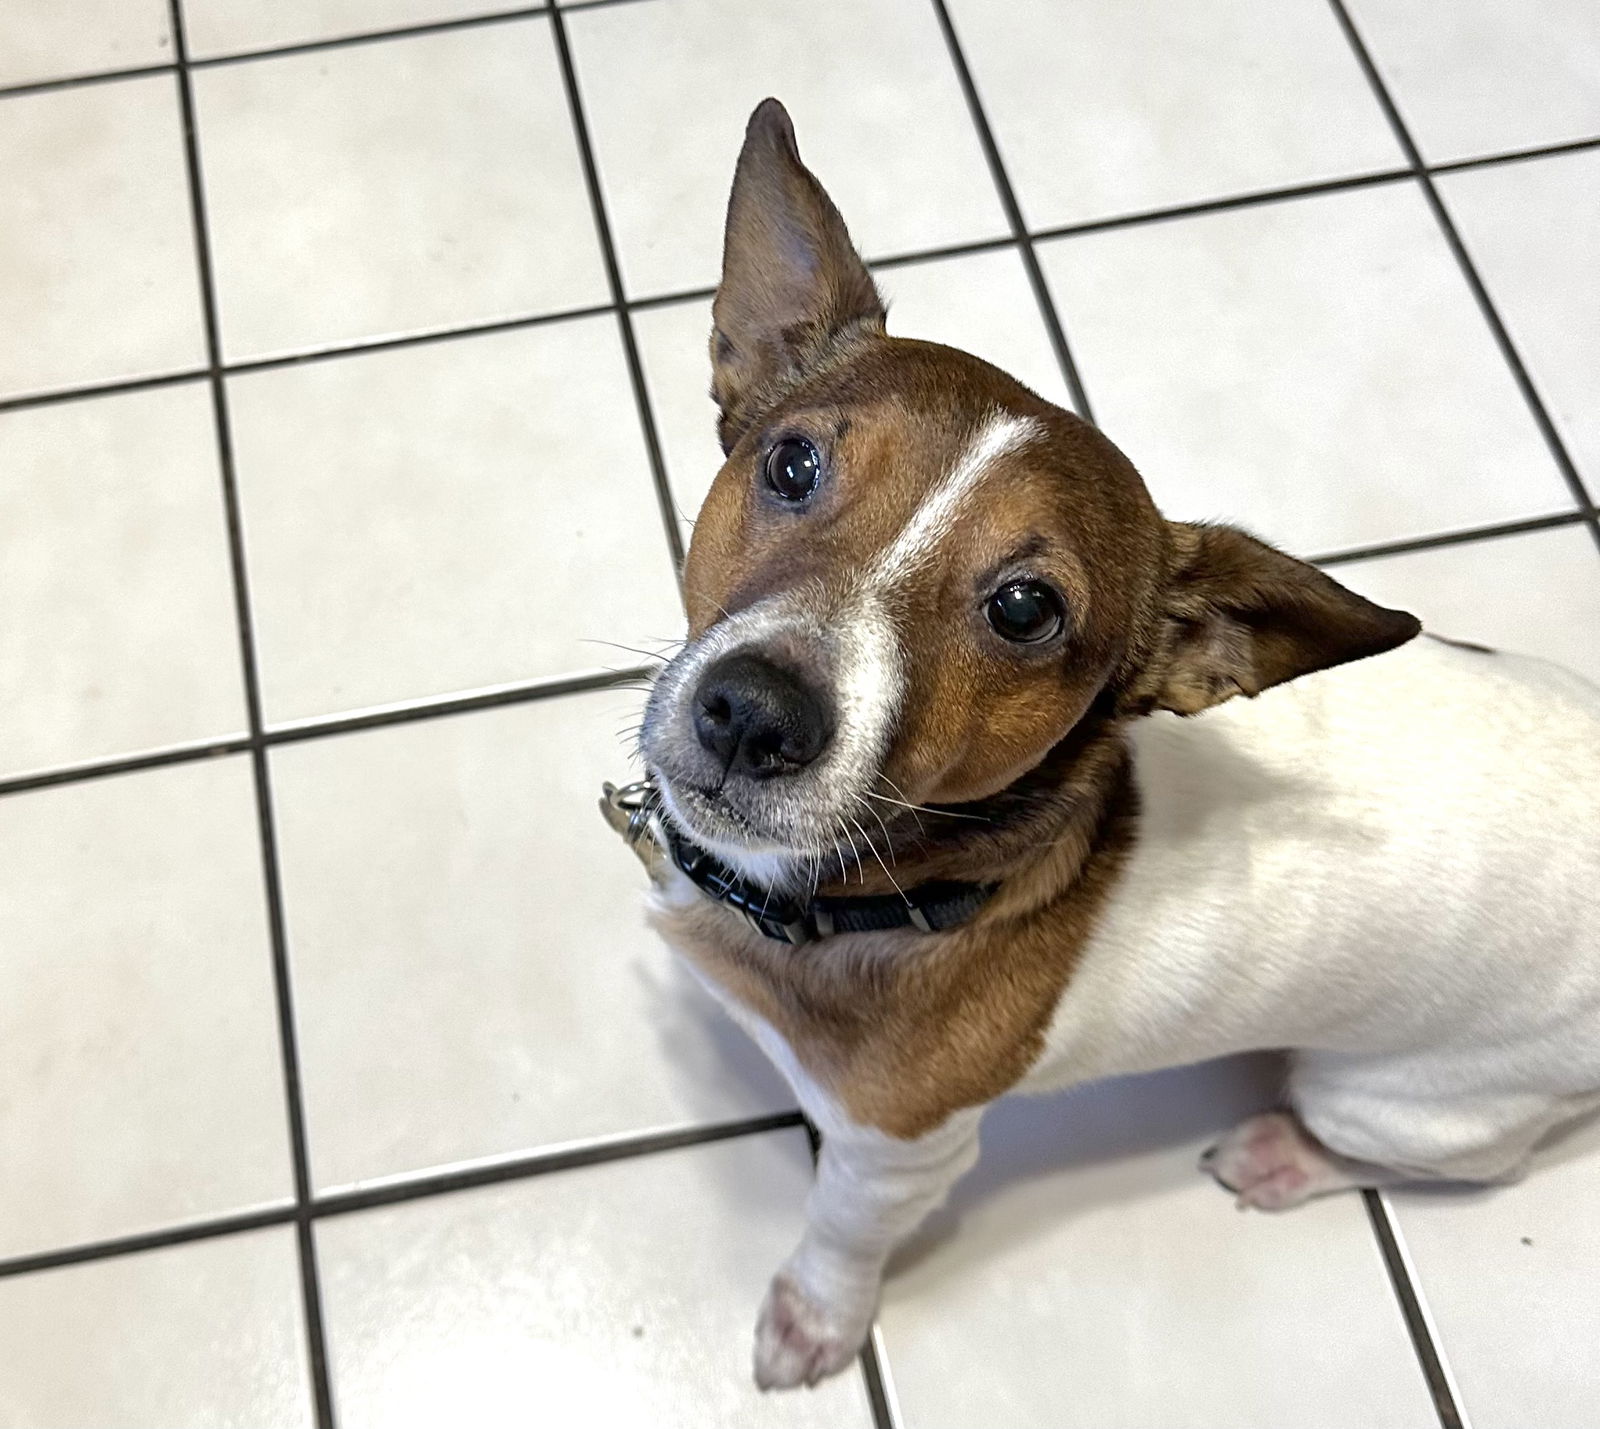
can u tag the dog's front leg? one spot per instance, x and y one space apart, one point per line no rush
872 1190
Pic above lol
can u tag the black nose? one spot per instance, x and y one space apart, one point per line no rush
758 718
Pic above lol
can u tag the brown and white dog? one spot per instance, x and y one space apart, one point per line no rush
939 642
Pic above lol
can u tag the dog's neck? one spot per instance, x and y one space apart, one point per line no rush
1044 825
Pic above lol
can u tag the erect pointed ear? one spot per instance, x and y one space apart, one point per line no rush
1242 617
793 287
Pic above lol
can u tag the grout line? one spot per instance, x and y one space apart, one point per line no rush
524 692
415 339
481 20
608 253
84 81
1256 198
633 305
421 1186
148 1240
374 37
1544 151
1452 538
311 1297
114 388
1013 212
297 732
595 1152
881 1398
892 260
1419 1324
124 764
1469 271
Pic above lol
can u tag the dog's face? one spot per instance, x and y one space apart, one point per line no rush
913 578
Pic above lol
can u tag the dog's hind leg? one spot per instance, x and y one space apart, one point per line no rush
1271 1162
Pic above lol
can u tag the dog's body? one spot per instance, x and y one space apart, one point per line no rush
935 584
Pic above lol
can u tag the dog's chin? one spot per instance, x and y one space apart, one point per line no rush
720 827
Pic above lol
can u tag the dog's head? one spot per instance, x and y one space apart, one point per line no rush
913 578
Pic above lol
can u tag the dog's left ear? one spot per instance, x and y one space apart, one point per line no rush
793 287
1242 617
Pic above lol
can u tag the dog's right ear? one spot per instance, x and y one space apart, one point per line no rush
793 287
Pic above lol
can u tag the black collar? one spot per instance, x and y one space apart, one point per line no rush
928 907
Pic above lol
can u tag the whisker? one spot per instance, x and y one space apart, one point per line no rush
861 872
924 809
617 645
881 864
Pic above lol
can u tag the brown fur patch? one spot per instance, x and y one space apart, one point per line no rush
905 1028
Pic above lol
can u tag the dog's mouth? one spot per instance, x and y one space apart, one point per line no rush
757 844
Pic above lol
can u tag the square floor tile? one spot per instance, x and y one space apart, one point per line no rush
1537 594
97 275
473 970
201 1336
1315 369
1512 1279
120 634
673 348
622 1295
401 186
1155 105
138 1030
42 41
441 517
1476 76
1531 230
1087 1274
879 114
221 27
980 302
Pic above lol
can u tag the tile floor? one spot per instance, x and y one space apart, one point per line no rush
339 1079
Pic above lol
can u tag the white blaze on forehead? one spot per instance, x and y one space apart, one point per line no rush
997 434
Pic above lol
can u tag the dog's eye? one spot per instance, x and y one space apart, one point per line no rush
793 468
1026 612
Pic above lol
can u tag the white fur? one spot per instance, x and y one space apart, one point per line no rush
935 518
1391 868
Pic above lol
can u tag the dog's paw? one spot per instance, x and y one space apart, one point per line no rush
1272 1163
799 1342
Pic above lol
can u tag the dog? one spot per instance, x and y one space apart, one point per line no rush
950 795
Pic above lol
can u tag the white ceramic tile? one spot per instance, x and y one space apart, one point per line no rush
120 631
1315 369
879 115
1531 231
1107 108
1512 1278
677 372
1538 594
980 302
1477 76
220 27
42 41
97 275
400 186
447 516
138 1031
474 972
621 1295
200 1336
1088 1274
